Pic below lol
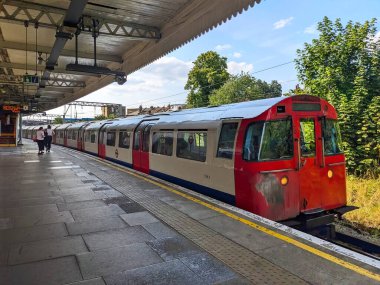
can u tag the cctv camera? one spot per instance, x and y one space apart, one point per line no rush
120 79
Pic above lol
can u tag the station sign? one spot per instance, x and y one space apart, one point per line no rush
31 79
12 108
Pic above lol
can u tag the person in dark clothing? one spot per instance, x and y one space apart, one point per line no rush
49 137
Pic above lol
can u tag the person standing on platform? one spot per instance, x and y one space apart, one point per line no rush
40 140
48 138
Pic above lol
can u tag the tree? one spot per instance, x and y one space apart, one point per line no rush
100 118
209 73
57 121
343 66
244 87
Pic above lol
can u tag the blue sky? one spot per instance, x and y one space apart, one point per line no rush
264 36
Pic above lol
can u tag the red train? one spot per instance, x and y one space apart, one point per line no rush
280 158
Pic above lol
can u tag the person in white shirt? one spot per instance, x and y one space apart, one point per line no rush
49 137
40 140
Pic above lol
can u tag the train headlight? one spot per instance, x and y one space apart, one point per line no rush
284 180
330 174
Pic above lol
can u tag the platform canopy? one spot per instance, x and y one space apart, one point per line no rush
55 40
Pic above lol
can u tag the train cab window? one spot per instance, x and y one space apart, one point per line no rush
227 140
92 137
271 140
331 136
307 137
192 145
124 139
162 143
111 138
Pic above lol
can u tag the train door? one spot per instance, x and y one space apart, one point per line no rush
79 138
308 154
102 142
140 150
64 137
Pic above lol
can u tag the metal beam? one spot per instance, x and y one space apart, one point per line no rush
64 52
65 83
72 19
91 104
52 17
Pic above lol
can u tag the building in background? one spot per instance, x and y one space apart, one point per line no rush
116 110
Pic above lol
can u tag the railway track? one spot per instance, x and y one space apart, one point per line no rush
348 241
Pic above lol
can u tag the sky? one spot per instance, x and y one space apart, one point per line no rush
265 36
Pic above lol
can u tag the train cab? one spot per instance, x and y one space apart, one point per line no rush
291 160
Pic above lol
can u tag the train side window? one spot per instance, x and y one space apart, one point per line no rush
162 143
252 141
92 137
271 140
74 135
111 137
136 142
307 137
146 133
331 136
124 139
192 145
227 140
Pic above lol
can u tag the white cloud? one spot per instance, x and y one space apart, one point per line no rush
223 47
237 55
282 23
234 67
160 83
311 30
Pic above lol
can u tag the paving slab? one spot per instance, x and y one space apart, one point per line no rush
33 201
52 272
159 230
95 281
209 268
97 212
59 217
139 218
34 233
46 249
112 260
174 247
167 273
83 197
115 238
240 233
95 225
80 205
38 210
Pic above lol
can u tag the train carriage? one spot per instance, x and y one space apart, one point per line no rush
280 158
75 135
61 134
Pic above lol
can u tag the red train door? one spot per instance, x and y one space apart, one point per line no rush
102 142
140 150
309 156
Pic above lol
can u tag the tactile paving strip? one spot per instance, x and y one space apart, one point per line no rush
253 267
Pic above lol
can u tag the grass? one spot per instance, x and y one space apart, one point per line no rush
365 194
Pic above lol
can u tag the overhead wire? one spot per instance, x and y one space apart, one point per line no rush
184 92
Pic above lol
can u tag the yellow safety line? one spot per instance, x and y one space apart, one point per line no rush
294 242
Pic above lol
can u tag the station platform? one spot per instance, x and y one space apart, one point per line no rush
71 218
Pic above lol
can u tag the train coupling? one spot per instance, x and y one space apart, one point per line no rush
342 210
